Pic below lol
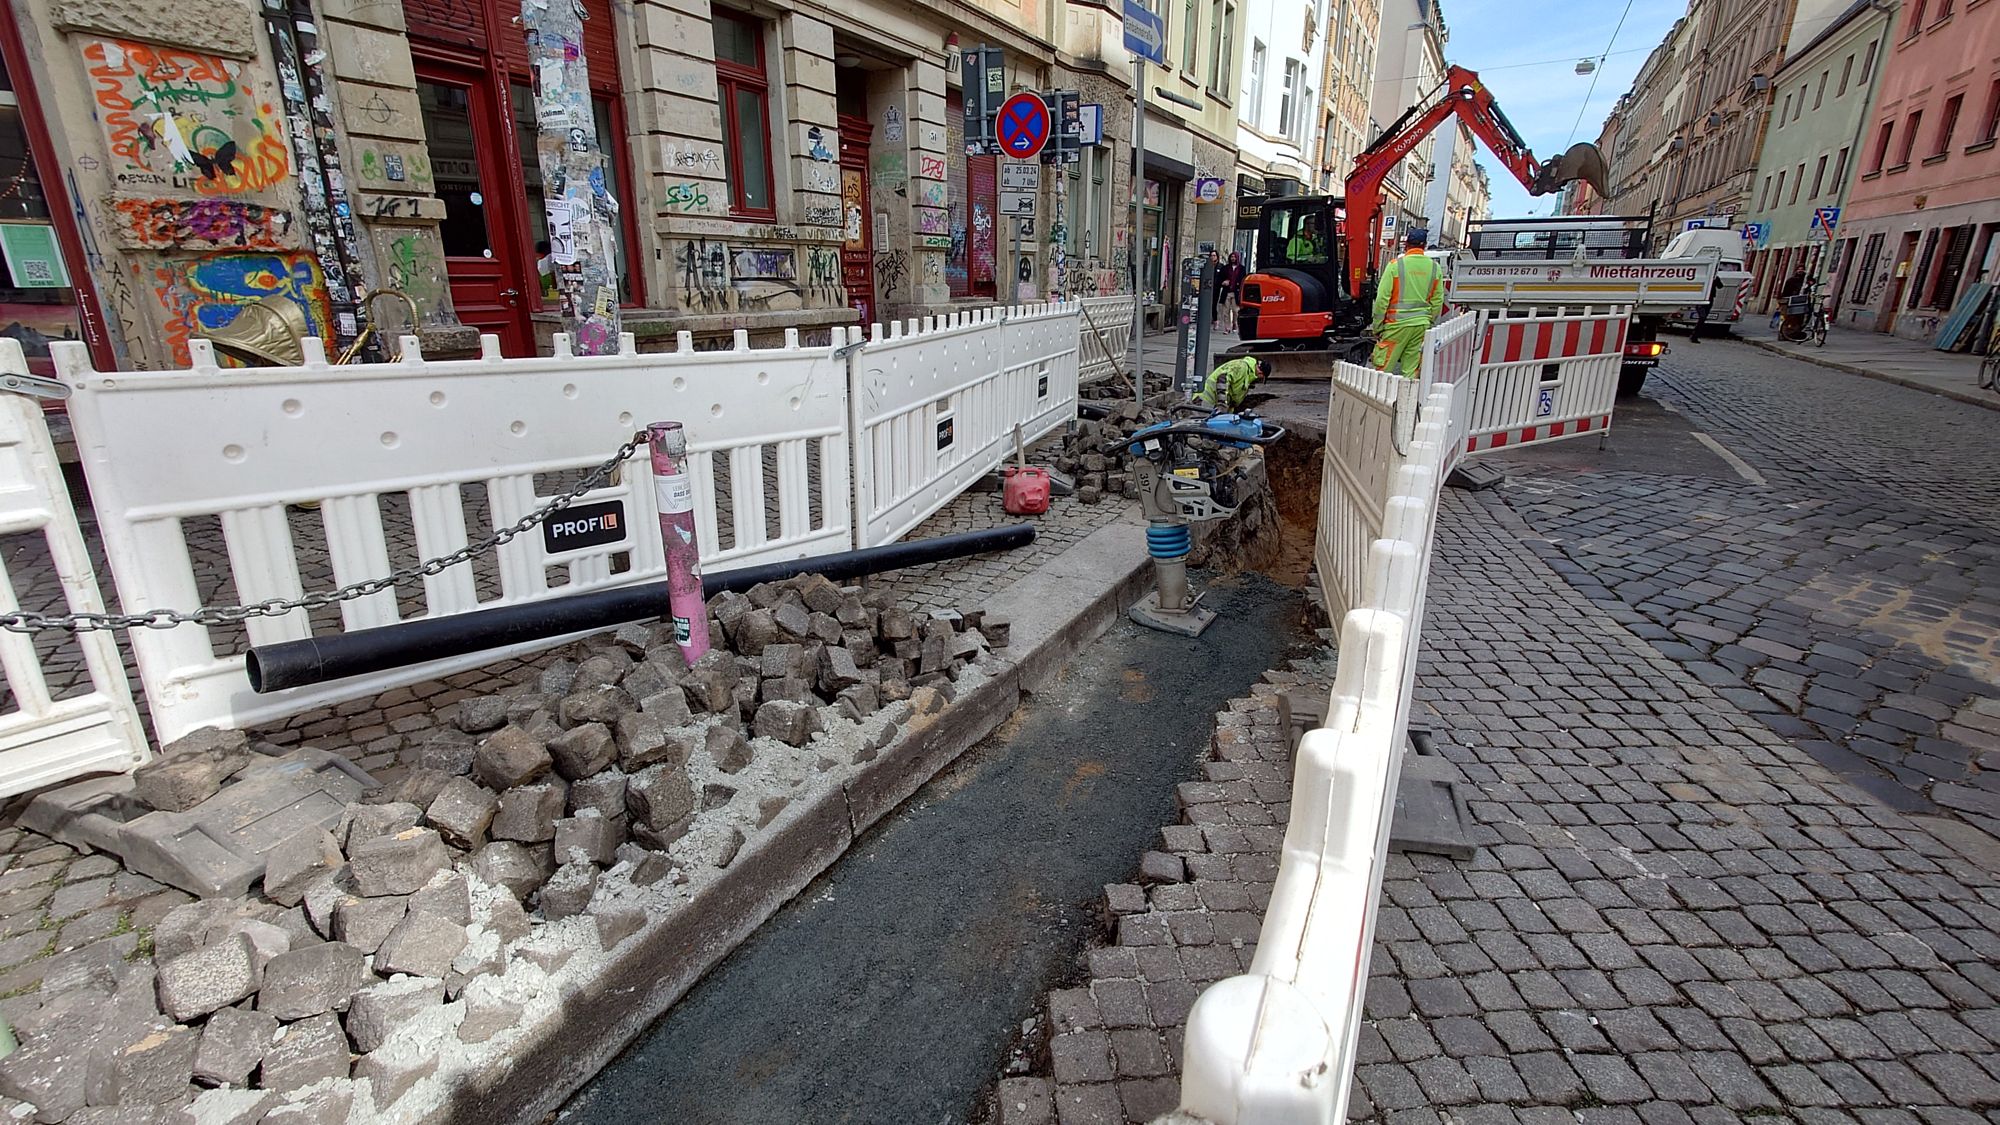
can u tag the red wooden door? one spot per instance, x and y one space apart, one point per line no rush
857 253
490 282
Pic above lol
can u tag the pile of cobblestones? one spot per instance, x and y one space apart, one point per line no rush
543 825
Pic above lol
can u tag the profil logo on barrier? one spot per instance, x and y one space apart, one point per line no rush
584 525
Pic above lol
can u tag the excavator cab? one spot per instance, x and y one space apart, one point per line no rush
1294 294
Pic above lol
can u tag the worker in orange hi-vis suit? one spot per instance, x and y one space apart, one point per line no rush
1408 300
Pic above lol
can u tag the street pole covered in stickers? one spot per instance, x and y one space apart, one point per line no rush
582 214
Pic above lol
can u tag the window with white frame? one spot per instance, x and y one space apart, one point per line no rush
1291 98
1253 91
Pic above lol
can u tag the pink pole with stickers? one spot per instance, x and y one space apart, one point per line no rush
674 489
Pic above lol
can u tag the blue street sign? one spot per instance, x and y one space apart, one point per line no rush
1022 126
1826 218
1145 33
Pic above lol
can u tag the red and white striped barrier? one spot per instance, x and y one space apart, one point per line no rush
1545 338
1742 297
1528 435
1546 376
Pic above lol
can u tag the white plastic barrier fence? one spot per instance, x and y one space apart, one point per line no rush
1276 1046
936 409
414 460
1451 354
1546 375
1375 414
1105 344
49 732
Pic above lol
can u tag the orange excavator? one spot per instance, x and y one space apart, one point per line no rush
1317 254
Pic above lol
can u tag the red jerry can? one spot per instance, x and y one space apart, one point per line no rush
1024 490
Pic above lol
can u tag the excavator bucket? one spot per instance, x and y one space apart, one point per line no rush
1583 162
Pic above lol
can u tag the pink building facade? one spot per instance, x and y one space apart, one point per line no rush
1922 225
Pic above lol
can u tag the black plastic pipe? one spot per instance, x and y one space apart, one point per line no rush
291 664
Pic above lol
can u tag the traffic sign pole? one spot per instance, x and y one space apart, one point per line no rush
1136 242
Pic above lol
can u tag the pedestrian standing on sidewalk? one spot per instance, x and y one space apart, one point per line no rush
1229 287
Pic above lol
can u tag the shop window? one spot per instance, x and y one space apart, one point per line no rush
610 139
447 115
37 304
1951 267
1923 270
1869 259
744 93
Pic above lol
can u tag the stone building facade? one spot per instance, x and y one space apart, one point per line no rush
770 164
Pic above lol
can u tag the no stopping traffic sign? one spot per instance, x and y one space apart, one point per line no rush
1022 125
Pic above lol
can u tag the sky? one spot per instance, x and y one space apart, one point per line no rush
1533 73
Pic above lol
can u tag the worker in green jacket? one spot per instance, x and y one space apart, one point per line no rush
1408 300
1229 384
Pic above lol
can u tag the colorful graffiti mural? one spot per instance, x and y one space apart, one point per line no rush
202 224
184 119
201 295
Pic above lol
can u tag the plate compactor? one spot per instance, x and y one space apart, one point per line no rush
1188 471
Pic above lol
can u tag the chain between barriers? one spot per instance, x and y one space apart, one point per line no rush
27 621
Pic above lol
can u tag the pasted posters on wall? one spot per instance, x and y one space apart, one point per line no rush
184 119
201 295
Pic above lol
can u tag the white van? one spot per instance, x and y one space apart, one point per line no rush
1730 276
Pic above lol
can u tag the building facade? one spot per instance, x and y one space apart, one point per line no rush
1409 67
767 166
1279 114
1922 224
1819 102
1349 84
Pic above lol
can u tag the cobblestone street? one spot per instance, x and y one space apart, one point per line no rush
1849 602
1675 914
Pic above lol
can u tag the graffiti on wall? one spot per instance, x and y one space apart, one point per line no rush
201 224
703 267
933 220
185 119
413 260
201 295
892 267
823 274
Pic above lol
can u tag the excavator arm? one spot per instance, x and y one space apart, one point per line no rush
1462 94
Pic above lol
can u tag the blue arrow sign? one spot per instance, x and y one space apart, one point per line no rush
1145 33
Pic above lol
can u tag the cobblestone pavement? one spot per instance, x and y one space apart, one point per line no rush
1850 601
1676 916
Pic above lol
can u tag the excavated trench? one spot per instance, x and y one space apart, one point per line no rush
904 980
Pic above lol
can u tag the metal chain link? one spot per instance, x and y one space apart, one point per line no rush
24 621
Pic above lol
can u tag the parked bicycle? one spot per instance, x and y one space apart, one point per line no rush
1804 319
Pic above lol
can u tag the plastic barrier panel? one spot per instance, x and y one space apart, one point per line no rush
1545 376
1277 1045
1105 344
1451 354
78 724
1373 412
218 486
935 406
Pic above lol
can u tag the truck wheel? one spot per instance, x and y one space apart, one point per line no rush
1630 379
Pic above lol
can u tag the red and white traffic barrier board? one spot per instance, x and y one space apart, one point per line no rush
1546 376
1528 435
